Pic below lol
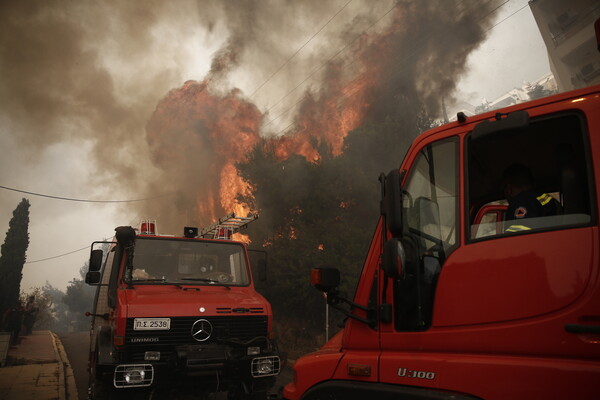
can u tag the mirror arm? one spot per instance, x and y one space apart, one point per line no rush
103 316
334 300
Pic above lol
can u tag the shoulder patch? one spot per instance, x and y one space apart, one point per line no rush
520 212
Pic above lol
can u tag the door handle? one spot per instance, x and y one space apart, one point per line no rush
578 328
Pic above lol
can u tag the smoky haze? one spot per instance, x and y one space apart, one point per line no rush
408 54
164 98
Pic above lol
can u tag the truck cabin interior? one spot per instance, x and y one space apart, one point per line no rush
554 148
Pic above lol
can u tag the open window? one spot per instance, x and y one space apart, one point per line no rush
554 148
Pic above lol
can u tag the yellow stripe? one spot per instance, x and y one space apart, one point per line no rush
518 228
544 199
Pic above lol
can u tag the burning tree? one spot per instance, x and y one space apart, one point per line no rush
314 183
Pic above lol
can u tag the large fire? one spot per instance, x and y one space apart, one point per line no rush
210 132
214 131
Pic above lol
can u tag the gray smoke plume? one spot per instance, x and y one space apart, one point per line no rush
111 77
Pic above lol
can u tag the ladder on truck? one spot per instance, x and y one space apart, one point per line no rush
226 226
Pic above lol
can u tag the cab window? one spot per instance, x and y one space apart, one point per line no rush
430 215
188 262
550 188
430 197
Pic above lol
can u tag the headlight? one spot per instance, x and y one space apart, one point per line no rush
133 375
265 366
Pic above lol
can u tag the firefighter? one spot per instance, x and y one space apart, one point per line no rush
524 201
29 313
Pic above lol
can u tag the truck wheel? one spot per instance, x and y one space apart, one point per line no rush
98 390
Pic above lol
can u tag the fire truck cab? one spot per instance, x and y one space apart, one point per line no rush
174 314
451 302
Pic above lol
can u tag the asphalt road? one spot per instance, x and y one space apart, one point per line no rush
76 345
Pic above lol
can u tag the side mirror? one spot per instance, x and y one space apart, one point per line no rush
258 264
262 270
393 259
391 201
92 278
96 260
431 269
325 279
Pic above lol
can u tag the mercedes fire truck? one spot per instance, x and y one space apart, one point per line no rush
179 314
453 303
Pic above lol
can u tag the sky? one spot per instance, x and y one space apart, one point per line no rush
94 75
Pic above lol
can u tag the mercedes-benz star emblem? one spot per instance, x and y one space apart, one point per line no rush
201 330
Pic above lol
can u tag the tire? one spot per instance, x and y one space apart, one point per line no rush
99 391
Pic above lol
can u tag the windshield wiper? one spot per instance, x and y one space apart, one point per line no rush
164 282
207 280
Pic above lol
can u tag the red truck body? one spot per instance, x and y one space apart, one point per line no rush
449 303
178 314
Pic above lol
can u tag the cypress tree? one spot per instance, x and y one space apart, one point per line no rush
12 257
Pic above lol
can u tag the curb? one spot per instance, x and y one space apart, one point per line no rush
66 379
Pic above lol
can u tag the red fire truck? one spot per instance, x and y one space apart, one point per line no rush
451 303
174 314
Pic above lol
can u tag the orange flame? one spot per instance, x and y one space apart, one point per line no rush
210 133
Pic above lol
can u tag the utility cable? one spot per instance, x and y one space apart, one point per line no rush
66 254
297 51
323 65
412 53
504 19
82 200
58 256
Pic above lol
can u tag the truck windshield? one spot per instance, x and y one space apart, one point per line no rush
163 261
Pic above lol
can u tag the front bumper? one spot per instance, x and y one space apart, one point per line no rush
224 363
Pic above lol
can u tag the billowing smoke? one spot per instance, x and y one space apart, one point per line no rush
119 77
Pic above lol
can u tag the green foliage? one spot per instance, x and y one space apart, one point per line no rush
45 317
321 214
79 298
480 109
60 312
538 91
12 258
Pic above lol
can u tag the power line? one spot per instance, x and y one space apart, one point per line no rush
58 256
68 253
409 56
504 19
322 66
297 51
81 200
412 53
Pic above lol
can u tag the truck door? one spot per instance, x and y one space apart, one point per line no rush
471 308
430 236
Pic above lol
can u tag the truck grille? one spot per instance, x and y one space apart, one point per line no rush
224 328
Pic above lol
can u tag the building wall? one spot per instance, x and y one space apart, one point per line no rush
567 28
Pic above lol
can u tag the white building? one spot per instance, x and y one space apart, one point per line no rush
567 28
513 96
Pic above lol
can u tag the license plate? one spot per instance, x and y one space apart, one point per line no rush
151 324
